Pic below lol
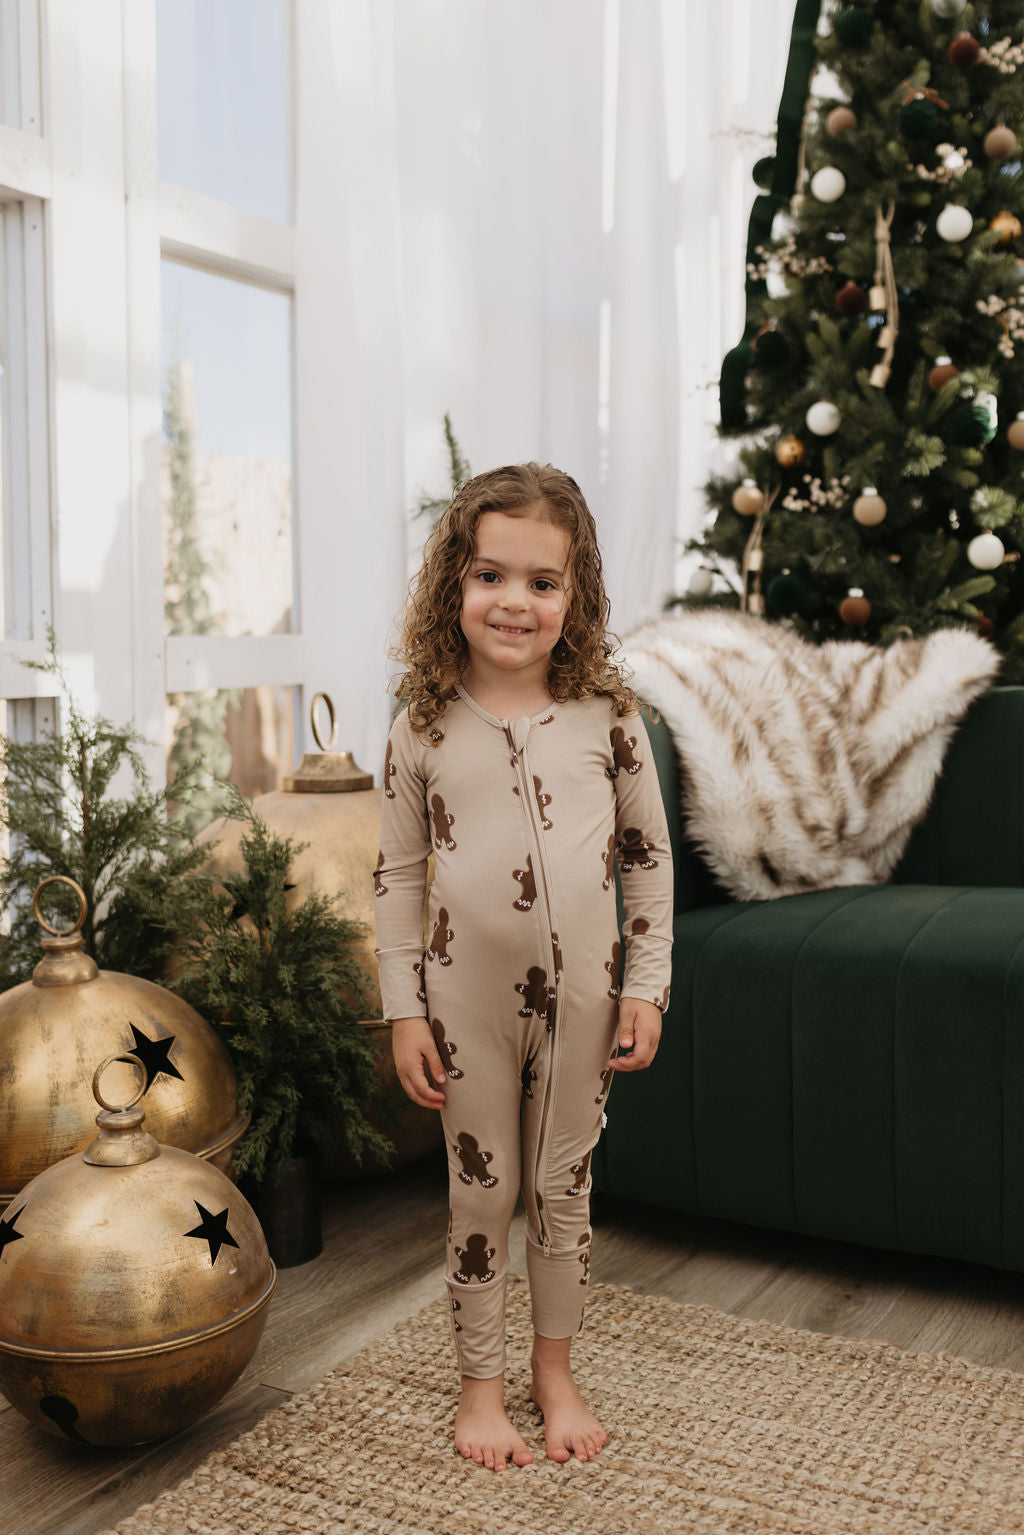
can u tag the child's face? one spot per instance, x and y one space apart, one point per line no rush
515 595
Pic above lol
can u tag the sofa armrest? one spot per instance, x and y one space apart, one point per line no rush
973 832
694 883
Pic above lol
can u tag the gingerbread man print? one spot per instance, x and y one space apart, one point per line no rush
528 1076
457 1306
474 1161
528 894
420 971
443 822
608 859
579 1174
634 849
445 1050
379 887
584 1258
606 1082
536 994
614 969
622 753
474 1258
389 772
442 937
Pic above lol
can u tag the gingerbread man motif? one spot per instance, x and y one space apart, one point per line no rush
579 1173
442 937
584 1258
443 822
608 859
634 849
436 737
528 894
661 1003
639 926
606 1082
528 1076
543 801
445 1049
474 1161
457 1306
622 753
556 952
389 772
474 1258
536 994
614 969
379 887
419 970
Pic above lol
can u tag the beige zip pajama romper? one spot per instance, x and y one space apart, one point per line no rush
522 973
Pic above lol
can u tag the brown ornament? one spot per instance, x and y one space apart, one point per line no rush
963 51
851 299
985 627
841 120
855 609
869 509
790 451
1000 143
747 499
1006 226
941 374
1015 433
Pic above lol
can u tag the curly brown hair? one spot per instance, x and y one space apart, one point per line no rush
433 648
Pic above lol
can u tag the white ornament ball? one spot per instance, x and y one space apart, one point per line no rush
954 223
701 582
828 184
986 551
947 9
823 418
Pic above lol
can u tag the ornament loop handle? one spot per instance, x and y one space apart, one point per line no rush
331 718
129 1060
60 879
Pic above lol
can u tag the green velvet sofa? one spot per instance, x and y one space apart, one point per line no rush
850 1063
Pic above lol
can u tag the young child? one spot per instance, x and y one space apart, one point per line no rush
523 766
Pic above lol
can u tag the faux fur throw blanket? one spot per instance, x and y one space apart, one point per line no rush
803 766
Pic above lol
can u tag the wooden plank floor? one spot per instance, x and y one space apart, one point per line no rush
384 1243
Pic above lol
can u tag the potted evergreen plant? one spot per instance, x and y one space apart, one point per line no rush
284 992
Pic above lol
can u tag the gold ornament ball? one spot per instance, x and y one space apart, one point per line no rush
1006 226
841 120
869 509
941 374
790 451
855 609
1015 434
1000 143
747 499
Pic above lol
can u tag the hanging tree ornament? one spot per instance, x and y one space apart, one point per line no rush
973 422
828 184
885 280
770 350
948 10
954 223
869 509
1006 226
853 27
921 111
855 609
986 552
823 418
941 373
752 599
786 594
700 583
1000 143
747 499
964 51
790 451
840 120
851 299
1015 433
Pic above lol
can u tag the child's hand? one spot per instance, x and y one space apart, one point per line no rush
417 1061
639 1033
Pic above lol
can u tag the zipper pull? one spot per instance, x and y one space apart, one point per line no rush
520 731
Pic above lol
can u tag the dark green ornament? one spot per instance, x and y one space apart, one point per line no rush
854 27
971 426
787 594
771 350
919 119
764 170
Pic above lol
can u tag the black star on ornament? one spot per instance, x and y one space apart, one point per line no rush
212 1229
8 1233
153 1055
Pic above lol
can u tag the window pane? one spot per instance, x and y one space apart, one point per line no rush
227 482
19 65
223 101
244 735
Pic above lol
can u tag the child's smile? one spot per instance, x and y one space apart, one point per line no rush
515 597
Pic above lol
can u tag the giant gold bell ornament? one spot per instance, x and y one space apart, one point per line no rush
55 1026
329 803
134 1283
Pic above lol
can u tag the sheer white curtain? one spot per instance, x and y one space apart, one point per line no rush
568 184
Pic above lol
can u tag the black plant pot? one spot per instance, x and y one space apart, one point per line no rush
290 1210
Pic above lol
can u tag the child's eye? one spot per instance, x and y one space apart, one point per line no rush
544 585
490 576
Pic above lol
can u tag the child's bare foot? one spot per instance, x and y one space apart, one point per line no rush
482 1430
570 1428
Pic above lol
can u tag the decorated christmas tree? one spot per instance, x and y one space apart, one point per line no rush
879 385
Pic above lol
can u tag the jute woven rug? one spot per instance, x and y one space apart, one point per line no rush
715 1424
